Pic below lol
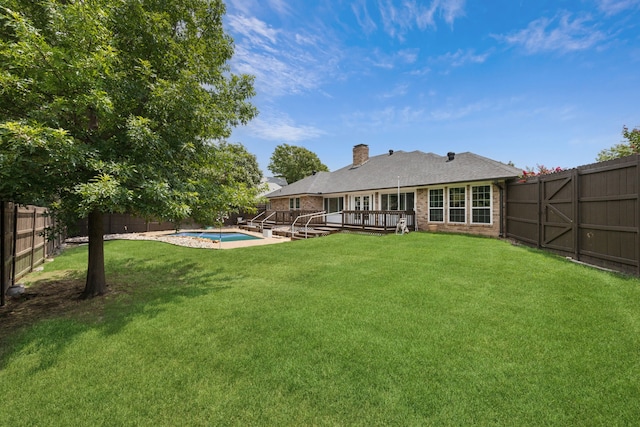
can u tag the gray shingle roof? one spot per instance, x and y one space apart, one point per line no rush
413 168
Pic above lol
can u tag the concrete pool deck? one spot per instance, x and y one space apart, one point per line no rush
192 242
222 245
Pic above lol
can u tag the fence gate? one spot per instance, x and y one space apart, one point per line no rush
591 213
558 213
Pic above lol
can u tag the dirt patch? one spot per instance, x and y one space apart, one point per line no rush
53 295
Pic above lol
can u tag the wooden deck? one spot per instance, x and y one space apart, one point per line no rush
306 224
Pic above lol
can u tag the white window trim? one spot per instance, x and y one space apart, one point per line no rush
490 203
292 201
444 205
395 193
372 201
335 197
466 204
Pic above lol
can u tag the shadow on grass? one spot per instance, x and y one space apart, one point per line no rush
50 314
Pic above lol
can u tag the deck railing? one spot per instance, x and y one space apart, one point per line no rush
374 220
287 217
379 220
311 216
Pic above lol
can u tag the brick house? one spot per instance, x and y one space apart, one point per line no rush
458 192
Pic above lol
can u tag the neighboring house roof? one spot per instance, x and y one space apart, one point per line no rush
273 184
409 169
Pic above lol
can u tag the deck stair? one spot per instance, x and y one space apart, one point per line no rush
316 231
257 227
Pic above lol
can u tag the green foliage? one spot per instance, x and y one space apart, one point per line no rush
294 163
631 146
36 162
108 105
422 329
228 181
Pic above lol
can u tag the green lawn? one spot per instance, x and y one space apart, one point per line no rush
420 329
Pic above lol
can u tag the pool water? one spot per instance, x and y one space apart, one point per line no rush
224 236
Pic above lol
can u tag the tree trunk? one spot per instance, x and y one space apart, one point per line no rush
96 283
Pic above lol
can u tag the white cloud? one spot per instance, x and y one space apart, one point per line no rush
254 7
283 62
241 6
253 30
398 18
280 6
274 75
280 127
452 9
409 56
560 34
420 71
463 57
362 16
398 90
613 7
390 61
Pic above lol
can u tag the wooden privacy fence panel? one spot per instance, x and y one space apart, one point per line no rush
127 223
591 213
24 244
30 240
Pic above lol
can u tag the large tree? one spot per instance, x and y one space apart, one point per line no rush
111 106
294 163
227 182
625 148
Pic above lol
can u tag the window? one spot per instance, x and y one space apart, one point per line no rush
333 204
294 203
436 205
406 202
389 202
457 204
481 204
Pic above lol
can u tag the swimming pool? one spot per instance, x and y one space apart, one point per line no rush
224 236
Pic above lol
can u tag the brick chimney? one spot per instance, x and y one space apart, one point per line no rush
360 154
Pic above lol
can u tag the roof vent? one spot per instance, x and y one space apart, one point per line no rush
390 152
451 155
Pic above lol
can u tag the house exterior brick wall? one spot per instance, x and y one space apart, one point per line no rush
316 204
311 203
307 203
422 213
279 204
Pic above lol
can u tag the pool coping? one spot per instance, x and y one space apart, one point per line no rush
226 245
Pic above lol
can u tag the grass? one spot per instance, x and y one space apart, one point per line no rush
420 329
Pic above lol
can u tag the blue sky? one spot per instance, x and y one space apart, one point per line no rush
530 81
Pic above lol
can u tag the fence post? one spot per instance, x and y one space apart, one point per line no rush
34 222
638 214
576 213
539 216
3 255
15 245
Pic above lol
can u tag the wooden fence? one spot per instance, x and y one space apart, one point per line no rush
591 213
24 245
125 223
